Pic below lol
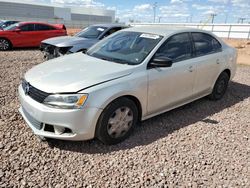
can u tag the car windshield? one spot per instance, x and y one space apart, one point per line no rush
92 32
11 27
125 47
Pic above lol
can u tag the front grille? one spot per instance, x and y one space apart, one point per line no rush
33 92
33 121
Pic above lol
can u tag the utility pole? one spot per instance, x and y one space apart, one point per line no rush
241 20
154 8
226 18
191 18
160 19
212 16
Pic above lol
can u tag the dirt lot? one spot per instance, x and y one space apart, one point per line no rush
202 144
243 47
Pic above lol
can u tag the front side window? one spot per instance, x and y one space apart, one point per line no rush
177 48
111 31
27 27
92 32
205 44
125 47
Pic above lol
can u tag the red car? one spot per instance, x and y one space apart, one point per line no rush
29 34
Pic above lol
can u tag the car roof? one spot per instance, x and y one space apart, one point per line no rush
35 23
162 29
8 21
108 25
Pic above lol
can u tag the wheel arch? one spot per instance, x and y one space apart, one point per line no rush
228 72
132 98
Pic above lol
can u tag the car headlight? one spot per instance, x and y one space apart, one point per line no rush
74 101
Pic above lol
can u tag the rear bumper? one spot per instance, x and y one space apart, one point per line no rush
81 122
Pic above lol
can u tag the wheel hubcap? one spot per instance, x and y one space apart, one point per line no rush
4 45
120 122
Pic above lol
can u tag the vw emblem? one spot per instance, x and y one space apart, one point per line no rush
26 89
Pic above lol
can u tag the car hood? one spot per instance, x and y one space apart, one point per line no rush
73 73
65 41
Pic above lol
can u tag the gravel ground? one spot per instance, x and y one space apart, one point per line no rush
203 144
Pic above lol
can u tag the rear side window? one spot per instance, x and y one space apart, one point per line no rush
177 48
27 27
205 44
41 27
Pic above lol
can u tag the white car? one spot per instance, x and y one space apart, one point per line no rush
130 76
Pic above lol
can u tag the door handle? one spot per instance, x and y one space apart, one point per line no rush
190 69
218 61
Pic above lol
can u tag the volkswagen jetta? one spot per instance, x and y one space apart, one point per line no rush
129 76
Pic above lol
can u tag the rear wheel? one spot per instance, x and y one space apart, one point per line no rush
220 87
4 44
117 121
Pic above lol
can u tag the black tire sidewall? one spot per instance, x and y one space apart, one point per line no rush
101 129
215 94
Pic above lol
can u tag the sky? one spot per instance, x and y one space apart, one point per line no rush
226 11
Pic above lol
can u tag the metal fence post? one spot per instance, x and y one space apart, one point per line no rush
230 28
248 34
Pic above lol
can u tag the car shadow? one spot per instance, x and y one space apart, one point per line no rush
162 125
24 49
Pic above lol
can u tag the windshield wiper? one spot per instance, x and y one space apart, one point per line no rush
115 60
122 61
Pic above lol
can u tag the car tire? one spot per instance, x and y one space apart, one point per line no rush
5 44
220 87
117 121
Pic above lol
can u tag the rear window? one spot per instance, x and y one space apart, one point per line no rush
205 44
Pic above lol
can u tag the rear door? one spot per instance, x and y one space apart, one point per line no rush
208 59
44 32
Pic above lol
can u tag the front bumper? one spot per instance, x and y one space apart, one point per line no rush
80 122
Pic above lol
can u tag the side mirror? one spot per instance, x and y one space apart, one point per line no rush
17 30
161 61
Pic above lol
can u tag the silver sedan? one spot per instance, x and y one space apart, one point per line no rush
130 76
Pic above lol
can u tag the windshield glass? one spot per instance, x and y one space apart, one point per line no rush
92 32
125 47
11 27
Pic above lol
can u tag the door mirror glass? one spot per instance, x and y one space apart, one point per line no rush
161 61
17 30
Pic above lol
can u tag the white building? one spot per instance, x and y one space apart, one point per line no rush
71 16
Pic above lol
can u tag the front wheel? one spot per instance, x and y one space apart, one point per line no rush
220 87
5 44
117 121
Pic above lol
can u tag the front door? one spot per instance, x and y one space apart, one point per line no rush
26 36
171 86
